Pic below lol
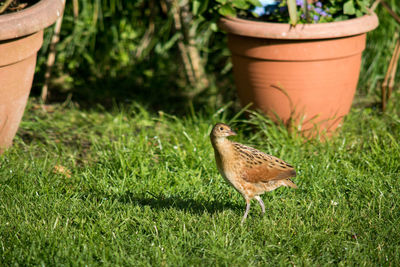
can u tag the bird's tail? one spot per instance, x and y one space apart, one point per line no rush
290 183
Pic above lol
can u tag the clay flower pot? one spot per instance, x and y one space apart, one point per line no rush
304 75
21 36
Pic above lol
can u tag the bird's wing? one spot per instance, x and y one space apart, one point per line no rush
261 167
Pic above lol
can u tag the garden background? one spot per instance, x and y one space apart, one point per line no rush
117 168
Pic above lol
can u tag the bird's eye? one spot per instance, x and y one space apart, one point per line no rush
221 128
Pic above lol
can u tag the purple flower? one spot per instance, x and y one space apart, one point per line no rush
299 2
318 10
316 18
318 4
323 13
282 9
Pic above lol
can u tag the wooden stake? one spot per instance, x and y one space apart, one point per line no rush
388 82
390 73
75 7
394 69
51 58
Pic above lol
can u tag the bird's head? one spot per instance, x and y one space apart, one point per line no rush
221 130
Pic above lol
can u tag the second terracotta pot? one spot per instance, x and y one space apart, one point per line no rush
304 76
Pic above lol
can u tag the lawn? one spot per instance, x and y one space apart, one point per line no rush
133 187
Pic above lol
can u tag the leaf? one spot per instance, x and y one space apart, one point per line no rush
363 5
241 4
255 2
292 11
199 6
196 7
348 8
162 48
227 11
214 27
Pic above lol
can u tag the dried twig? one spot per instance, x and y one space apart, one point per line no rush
5 5
164 7
388 81
375 5
51 58
144 43
391 12
393 73
75 7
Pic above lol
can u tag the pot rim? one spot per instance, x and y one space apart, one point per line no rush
273 30
30 20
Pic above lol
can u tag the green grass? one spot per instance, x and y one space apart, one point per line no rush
143 190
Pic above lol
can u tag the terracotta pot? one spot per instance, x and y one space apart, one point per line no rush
21 36
304 75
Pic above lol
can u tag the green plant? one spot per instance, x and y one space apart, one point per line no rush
139 45
293 11
108 52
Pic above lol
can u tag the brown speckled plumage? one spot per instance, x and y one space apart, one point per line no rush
250 171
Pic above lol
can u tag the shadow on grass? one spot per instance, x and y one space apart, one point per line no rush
109 92
162 88
186 204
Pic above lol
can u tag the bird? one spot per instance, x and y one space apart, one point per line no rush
250 171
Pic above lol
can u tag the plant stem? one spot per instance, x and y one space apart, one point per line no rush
390 73
182 46
5 6
51 58
75 6
391 12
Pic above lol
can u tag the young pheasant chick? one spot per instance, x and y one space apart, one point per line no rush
249 171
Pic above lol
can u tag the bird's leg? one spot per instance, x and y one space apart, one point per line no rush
261 204
247 210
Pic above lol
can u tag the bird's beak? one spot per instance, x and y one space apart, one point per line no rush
232 132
